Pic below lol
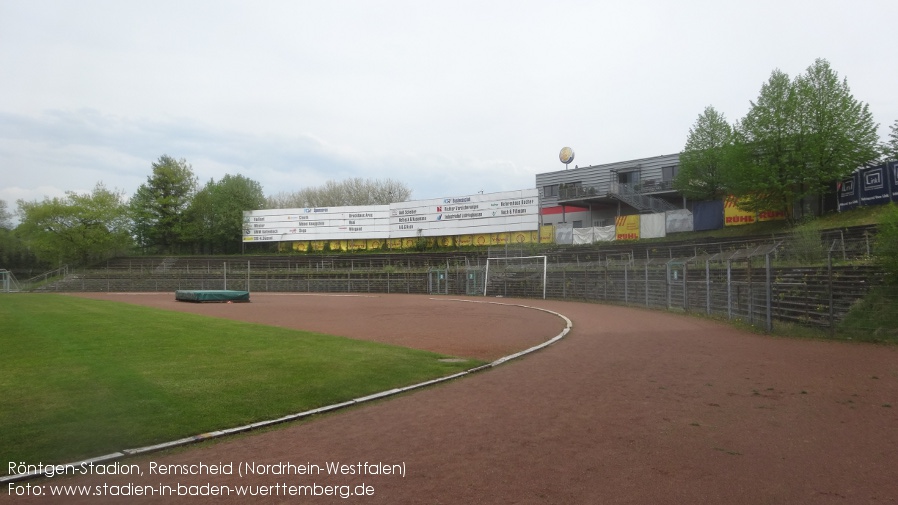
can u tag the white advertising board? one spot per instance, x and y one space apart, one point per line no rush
320 223
507 211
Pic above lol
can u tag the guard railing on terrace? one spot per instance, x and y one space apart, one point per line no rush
812 279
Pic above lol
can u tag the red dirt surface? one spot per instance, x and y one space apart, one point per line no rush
632 407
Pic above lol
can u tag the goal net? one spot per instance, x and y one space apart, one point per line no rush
516 276
8 282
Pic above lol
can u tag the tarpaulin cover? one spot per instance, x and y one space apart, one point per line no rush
893 179
564 233
595 234
627 227
211 295
707 215
583 236
605 233
848 193
678 221
734 215
874 185
652 226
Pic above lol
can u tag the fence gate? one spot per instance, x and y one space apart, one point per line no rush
676 284
473 282
438 281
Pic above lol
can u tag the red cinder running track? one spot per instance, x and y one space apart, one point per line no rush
632 407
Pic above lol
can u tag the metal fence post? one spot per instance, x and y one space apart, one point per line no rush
667 283
729 289
626 284
685 286
605 281
829 279
751 294
646 282
769 295
708 286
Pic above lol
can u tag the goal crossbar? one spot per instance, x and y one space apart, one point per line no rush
486 277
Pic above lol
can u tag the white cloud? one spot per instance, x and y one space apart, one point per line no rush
448 97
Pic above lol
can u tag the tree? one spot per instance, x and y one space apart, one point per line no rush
765 147
706 157
799 137
158 207
890 147
14 254
355 191
216 213
78 228
5 216
840 134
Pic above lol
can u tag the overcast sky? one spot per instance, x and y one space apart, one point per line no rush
449 97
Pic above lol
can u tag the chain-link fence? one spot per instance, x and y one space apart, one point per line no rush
813 279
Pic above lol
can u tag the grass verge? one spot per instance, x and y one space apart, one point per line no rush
83 377
873 318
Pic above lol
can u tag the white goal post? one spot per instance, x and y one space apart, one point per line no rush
507 259
8 282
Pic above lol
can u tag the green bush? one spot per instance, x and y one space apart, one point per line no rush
807 245
886 247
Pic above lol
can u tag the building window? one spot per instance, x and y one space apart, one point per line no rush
569 190
550 191
669 173
578 224
628 177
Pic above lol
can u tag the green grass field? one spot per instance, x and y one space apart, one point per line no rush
82 378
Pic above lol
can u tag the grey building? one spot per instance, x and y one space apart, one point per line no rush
595 195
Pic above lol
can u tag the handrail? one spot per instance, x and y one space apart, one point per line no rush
629 194
570 192
63 270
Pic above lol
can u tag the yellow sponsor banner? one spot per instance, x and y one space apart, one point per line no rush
356 245
482 239
547 234
627 227
523 237
498 238
771 215
734 216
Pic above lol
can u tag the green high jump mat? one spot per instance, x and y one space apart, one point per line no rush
211 295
